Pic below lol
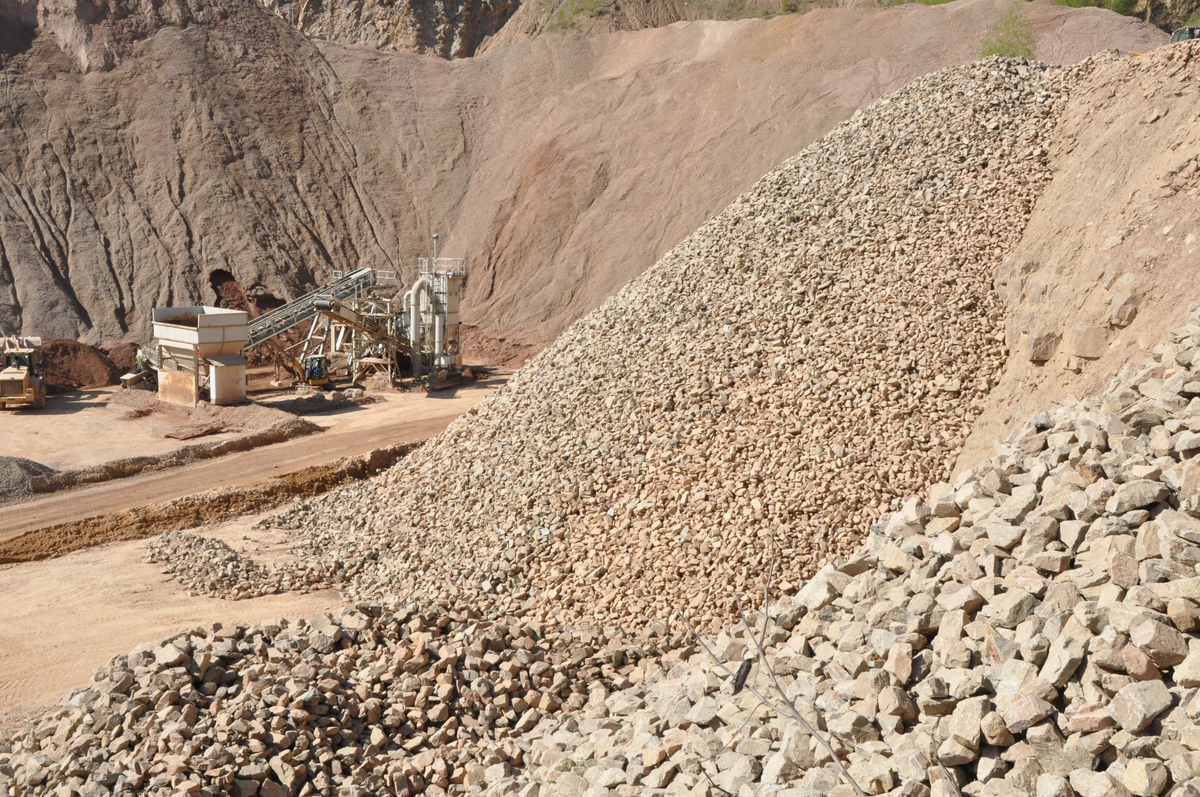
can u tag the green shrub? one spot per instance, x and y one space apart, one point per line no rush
1010 35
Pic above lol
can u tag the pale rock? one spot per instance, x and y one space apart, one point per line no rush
1024 712
1049 785
1135 706
1162 644
1089 343
995 731
1011 608
1135 495
1146 777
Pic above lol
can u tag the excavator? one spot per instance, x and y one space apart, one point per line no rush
313 370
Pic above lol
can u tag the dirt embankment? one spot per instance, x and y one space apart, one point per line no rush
258 426
560 167
1106 268
198 510
72 365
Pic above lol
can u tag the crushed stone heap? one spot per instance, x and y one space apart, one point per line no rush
801 361
208 566
1033 628
377 702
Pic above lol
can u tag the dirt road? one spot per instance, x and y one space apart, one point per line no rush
397 418
64 617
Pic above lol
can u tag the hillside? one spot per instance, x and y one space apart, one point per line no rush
453 30
152 157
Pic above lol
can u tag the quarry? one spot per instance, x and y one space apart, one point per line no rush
539 400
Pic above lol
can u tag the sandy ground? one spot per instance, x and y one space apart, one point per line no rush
64 617
81 429
1114 222
396 418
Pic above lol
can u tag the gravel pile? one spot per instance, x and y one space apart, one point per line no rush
16 477
813 353
208 566
1033 628
366 703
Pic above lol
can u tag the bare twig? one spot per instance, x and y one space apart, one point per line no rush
785 706
746 721
766 616
765 665
713 783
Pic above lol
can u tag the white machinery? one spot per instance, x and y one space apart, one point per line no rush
198 351
415 335
430 314
358 315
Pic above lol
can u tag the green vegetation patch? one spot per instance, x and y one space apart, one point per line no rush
1010 35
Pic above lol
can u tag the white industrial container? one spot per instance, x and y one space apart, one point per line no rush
201 343
209 331
227 379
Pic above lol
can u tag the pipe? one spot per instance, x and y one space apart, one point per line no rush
404 314
437 341
414 321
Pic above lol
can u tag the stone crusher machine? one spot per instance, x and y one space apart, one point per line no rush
22 373
359 316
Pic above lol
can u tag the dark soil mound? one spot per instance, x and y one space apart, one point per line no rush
71 365
123 356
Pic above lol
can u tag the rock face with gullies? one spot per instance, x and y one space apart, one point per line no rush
434 27
796 366
151 153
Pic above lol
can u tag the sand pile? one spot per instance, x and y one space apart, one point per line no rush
799 363
1105 269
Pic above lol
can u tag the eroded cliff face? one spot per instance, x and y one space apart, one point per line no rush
148 151
447 28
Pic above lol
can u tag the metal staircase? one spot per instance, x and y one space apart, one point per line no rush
297 311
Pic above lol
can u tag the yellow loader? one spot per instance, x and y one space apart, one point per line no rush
23 375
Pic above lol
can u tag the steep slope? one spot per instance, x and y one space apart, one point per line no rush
1106 267
151 158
